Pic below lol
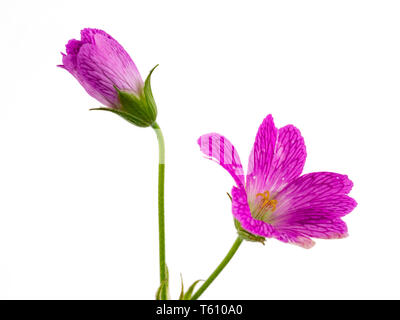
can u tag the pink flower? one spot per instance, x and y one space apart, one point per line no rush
274 200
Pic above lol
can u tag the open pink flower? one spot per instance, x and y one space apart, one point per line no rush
274 200
101 65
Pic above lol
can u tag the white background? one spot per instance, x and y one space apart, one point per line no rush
78 189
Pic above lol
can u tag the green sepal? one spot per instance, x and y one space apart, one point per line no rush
137 107
182 289
127 116
164 284
189 292
160 290
244 234
148 94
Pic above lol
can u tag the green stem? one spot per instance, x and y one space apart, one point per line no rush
218 270
161 218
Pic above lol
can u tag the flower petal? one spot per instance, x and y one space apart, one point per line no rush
70 64
311 206
289 158
120 65
241 212
90 70
102 63
278 157
72 48
219 149
261 156
297 238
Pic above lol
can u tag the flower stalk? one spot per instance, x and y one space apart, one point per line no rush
218 270
161 216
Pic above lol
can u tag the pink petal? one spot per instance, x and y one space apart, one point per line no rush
261 156
103 64
297 238
122 70
278 157
311 206
70 62
100 64
241 212
289 158
219 149
90 69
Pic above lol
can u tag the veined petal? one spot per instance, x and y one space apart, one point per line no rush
118 65
112 49
311 206
261 156
72 49
90 74
316 187
218 148
70 64
103 66
241 211
295 237
289 158
278 157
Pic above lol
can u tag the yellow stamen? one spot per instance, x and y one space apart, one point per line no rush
267 202
273 203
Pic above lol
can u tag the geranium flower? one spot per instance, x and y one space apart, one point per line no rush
273 200
107 73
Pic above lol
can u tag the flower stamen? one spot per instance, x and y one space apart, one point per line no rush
267 202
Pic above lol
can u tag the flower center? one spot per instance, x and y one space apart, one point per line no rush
267 206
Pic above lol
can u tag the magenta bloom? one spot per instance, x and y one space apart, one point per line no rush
101 65
274 200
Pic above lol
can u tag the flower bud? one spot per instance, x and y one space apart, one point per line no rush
108 74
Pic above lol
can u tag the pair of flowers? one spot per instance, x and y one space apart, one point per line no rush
272 199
